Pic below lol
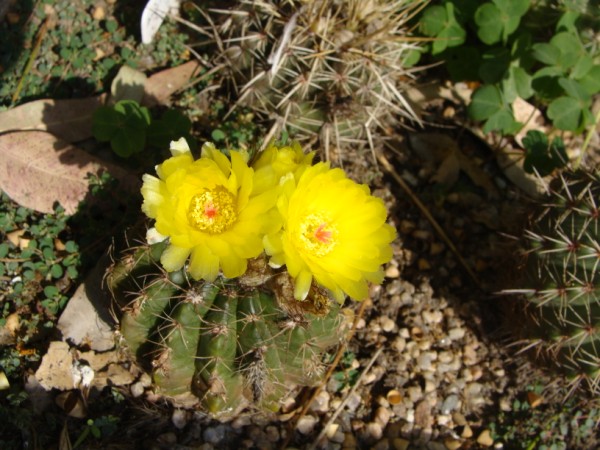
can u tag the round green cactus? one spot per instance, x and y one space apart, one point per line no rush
227 344
327 69
563 288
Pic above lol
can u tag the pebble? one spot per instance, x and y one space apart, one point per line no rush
432 317
137 389
485 438
387 324
456 333
382 416
450 404
306 424
400 444
452 444
272 433
424 361
392 271
320 404
467 432
180 418
374 430
214 435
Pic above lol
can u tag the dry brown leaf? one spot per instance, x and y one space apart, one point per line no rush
444 152
69 119
38 169
160 86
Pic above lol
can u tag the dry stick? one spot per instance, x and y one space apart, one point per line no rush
332 367
31 60
345 401
386 164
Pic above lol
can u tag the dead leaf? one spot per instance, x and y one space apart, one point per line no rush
162 85
72 403
69 119
128 84
38 169
444 152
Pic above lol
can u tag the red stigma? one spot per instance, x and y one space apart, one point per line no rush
323 235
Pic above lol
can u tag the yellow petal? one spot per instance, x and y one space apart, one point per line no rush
179 147
173 258
203 264
233 266
302 285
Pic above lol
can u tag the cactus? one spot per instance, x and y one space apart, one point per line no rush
226 344
327 69
563 291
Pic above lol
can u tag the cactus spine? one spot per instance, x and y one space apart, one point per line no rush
328 69
564 284
224 344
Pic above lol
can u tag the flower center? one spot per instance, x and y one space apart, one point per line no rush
317 234
213 210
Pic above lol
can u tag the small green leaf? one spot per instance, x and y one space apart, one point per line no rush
590 82
485 102
570 47
502 121
171 126
574 89
104 123
56 271
439 22
217 135
51 291
566 113
546 53
3 250
489 23
433 20
126 143
71 246
542 157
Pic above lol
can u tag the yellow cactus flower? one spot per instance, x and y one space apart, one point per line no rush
209 210
276 162
334 231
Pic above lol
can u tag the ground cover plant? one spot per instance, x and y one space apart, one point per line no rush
390 328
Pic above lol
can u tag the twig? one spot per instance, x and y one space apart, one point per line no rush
386 164
345 401
332 367
34 52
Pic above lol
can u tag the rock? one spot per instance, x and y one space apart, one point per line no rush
86 320
306 424
400 444
423 418
56 369
180 418
467 432
374 431
137 389
382 416
450 404
485 438
214 435
456 333
320 404
452 444
272 433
